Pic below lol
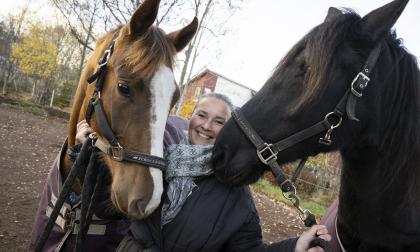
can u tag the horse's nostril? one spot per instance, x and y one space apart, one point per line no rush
137 208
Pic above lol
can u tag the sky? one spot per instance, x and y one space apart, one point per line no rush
265 30
262 32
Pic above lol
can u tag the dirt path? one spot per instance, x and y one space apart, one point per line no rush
29 143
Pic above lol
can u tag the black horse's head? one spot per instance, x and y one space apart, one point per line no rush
309 82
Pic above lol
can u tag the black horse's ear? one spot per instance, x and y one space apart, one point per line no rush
143 17
379 22
182 37
332 14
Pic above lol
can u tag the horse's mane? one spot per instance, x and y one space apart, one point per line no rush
146 53
399 134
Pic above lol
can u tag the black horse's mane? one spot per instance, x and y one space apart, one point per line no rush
320 45
399 135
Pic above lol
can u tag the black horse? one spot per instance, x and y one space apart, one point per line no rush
379 136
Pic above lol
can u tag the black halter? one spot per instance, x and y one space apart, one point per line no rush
114 150
267 152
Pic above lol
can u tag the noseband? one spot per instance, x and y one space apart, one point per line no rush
114 150
267 152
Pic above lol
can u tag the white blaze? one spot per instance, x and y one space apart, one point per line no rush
162 88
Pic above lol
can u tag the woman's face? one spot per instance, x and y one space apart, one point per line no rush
208 119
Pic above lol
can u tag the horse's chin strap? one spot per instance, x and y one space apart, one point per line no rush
118 153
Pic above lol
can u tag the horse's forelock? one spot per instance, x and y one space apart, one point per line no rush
319 49
144 55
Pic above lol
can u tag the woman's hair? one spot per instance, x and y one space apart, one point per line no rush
220 97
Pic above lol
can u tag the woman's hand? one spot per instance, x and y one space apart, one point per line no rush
83 130
305 239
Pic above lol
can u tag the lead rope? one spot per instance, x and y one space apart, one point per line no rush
76 171
87 194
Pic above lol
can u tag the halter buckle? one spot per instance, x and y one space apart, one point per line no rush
359 83
117 152
267 154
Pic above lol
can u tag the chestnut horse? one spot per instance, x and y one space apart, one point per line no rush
138 92
357 69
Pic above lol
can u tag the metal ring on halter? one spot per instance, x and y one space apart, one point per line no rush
93 136
339 117
96 94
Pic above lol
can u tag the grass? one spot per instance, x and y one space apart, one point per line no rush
274 192
27 107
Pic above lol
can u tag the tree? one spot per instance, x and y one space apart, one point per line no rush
81 17
38 55
10 31
120 11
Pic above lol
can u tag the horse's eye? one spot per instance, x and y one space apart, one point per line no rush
124 89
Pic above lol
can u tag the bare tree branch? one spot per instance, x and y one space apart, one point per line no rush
105 2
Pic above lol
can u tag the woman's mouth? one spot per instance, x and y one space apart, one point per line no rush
204 135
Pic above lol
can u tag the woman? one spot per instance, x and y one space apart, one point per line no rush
199 213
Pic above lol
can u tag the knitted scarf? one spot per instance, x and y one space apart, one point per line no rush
184 163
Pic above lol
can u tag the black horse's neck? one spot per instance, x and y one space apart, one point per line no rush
379 204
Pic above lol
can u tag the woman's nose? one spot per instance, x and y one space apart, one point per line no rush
207 124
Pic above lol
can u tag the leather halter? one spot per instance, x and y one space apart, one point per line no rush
267 152
114 149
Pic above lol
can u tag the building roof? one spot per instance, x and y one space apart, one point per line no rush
206 70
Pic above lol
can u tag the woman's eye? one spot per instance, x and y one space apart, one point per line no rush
220 122
124 89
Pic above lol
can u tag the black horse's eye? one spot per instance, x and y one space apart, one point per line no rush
124 89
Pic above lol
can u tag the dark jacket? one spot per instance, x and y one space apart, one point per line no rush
215 217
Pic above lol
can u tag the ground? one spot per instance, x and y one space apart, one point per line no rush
29 144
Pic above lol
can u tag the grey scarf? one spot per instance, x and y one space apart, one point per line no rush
184 163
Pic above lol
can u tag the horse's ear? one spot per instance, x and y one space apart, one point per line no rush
182 37
378 22
332 14
144 17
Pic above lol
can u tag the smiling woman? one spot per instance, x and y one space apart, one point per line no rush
209 116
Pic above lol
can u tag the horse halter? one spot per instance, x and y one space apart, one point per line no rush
267 152
114 150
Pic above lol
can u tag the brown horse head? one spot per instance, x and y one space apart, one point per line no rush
138 93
